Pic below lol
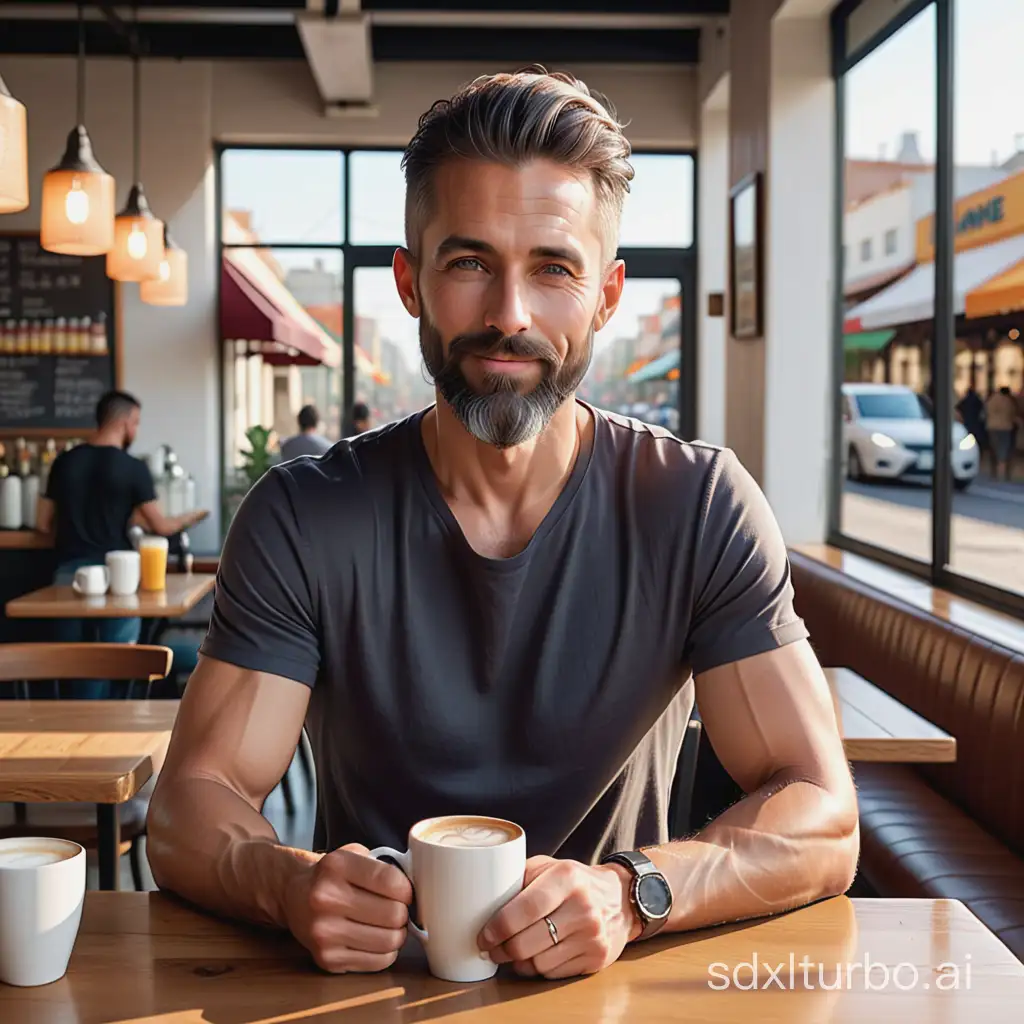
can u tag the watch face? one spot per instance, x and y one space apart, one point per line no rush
654 896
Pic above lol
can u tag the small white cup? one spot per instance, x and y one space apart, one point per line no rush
91 580
458 890
42 889
125 571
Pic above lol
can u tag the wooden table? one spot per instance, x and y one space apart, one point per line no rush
147 958
876 727
184 591
95 751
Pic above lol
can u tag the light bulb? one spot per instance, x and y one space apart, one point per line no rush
137 245
76 203
165 270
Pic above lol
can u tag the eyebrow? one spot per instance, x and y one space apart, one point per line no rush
460 243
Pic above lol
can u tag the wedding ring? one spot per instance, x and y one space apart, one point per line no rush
553 930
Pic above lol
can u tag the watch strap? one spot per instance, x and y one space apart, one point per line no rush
639 864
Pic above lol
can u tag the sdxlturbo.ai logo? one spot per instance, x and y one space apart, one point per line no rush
758 975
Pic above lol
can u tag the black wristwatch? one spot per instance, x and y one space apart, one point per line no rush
650 893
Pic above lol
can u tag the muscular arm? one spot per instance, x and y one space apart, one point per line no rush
152 519
235 735
794 838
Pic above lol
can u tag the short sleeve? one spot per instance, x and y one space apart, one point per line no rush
144 491
265 606
743 593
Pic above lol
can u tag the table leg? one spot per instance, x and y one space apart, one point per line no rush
108 827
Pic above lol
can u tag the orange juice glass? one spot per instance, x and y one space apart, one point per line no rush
153 555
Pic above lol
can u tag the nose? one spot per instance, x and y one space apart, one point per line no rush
507 310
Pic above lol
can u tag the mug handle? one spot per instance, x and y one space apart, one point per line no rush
404 861
76 586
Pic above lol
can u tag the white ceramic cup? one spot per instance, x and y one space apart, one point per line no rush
91 580
125 571
458 889
42 886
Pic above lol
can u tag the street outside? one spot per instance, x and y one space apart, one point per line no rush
987 542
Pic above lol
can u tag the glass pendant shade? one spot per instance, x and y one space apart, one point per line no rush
77 216
138 241
13 153
170 288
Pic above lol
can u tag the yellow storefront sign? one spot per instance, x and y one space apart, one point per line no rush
983 217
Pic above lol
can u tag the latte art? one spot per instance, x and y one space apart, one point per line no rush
33 854
469 832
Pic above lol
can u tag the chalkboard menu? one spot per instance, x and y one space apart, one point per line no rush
57 337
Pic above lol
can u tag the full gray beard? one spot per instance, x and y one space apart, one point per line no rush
501 415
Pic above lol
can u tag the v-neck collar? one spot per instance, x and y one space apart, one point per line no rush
425 471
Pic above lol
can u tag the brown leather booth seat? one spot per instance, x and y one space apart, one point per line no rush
937 830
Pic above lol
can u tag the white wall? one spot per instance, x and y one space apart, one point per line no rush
171 355
872 219
712 213
798 264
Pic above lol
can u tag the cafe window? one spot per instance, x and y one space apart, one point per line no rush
931 345
865 251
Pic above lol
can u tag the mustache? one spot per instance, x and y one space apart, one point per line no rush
494 343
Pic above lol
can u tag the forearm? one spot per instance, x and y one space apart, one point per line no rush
783 846
211 847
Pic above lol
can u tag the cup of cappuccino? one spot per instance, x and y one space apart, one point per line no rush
125 568
42 886
464 869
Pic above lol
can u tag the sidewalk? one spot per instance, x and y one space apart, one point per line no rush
987 552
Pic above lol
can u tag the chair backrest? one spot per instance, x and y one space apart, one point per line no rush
45 661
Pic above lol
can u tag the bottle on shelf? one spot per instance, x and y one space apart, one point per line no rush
60 336
73 336
45 462
10 495
23 337
9 338
98 335
29 491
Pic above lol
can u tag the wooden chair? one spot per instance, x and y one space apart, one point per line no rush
32 664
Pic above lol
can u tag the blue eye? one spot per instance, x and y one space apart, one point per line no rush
558 267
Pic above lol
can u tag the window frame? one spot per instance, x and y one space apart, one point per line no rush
937 570
643 261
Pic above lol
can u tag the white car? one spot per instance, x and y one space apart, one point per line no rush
889 433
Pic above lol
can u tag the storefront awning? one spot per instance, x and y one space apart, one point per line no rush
255 306
657 369
912 299
1003 294
867 341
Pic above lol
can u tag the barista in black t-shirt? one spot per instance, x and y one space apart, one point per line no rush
93 493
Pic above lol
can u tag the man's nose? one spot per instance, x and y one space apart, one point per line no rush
507 309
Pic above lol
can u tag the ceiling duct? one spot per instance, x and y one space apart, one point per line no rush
340 54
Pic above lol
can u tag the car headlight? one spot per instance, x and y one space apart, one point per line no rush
968 443
882 441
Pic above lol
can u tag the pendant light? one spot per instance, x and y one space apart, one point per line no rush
13 153
138 235
78 195
171 287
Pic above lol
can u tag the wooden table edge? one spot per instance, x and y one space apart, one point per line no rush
907 751
111 791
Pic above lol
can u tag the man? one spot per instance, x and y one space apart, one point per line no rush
1001 419
361 417
495 606
92 495
307 441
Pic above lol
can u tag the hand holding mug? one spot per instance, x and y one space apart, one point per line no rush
350 910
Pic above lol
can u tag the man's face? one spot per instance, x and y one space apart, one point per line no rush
131 428
510 287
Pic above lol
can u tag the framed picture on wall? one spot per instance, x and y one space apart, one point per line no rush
746 242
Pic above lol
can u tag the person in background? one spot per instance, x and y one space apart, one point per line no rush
307 441
361 417
94 492
1001 418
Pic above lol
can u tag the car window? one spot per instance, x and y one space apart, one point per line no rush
897 405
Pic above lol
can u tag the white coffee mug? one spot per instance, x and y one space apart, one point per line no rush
125 571
42 888
458 889
91 580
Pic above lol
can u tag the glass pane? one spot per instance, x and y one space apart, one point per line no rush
658 211
377 195
390 377
987 531
285 196
266 383
868 18
888 292
635 368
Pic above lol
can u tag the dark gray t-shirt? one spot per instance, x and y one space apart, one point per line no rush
551 688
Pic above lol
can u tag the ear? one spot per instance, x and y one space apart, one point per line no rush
405 269
611 293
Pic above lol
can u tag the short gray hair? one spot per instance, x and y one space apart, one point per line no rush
512 119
